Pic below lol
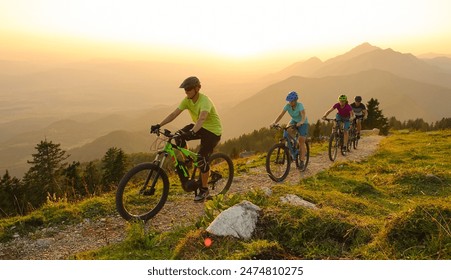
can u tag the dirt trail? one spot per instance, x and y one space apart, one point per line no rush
61 242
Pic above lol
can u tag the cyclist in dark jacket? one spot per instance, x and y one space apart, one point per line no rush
360 113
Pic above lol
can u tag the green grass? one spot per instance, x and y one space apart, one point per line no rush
395 204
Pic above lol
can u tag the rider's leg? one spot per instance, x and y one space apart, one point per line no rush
302 148
345 138
204 171
303 130
347 125
208 142
359 125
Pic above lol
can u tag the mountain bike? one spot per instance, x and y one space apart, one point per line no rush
336 139
280 155
143 191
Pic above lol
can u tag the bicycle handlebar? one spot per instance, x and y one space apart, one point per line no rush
278 126
166 133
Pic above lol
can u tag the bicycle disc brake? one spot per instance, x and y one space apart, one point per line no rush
215 177
147 192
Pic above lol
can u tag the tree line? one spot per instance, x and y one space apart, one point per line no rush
51 178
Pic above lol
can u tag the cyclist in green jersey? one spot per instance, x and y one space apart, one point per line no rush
207 127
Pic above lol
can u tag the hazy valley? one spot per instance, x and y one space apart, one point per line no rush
89 107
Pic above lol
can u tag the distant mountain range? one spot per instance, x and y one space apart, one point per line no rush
400 97
407 87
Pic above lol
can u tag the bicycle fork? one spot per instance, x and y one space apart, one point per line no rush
151 191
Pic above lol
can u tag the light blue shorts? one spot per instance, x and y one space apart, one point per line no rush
346 121
303 129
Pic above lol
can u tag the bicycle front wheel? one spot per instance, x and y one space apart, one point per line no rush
221 173
142 192
278 162
333 147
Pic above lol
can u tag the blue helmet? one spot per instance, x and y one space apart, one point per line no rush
292 96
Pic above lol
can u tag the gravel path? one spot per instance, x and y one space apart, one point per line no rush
61 242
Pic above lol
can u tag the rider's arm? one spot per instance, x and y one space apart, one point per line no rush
171 117
279 117
328 112
302 113
202 117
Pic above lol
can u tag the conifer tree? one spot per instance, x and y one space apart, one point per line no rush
45 175
114 167
317 130
11 196
375 117
92 179
74 181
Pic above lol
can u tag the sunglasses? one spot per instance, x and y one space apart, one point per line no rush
189 88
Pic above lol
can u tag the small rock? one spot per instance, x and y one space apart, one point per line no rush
44 242
297 201
266 190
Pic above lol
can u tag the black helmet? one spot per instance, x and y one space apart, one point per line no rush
358 98
190 82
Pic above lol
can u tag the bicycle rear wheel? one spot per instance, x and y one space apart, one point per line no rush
278 162
333 147
221 173
142 192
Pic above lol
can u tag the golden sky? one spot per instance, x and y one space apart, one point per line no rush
231 29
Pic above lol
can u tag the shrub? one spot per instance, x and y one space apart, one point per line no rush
421 233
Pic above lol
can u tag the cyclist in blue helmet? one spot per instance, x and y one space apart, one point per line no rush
298 116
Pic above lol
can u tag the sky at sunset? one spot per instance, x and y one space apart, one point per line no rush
232 29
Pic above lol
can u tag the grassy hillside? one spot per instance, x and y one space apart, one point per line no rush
394 205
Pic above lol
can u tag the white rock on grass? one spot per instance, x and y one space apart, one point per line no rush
238 221
297 201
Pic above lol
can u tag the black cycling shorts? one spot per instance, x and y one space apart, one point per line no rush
208 140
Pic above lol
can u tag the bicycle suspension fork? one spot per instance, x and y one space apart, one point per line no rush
158 163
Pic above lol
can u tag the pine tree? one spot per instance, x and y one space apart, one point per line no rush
11 196
45 175
114 167
317 130
92 179
74 181
375 117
